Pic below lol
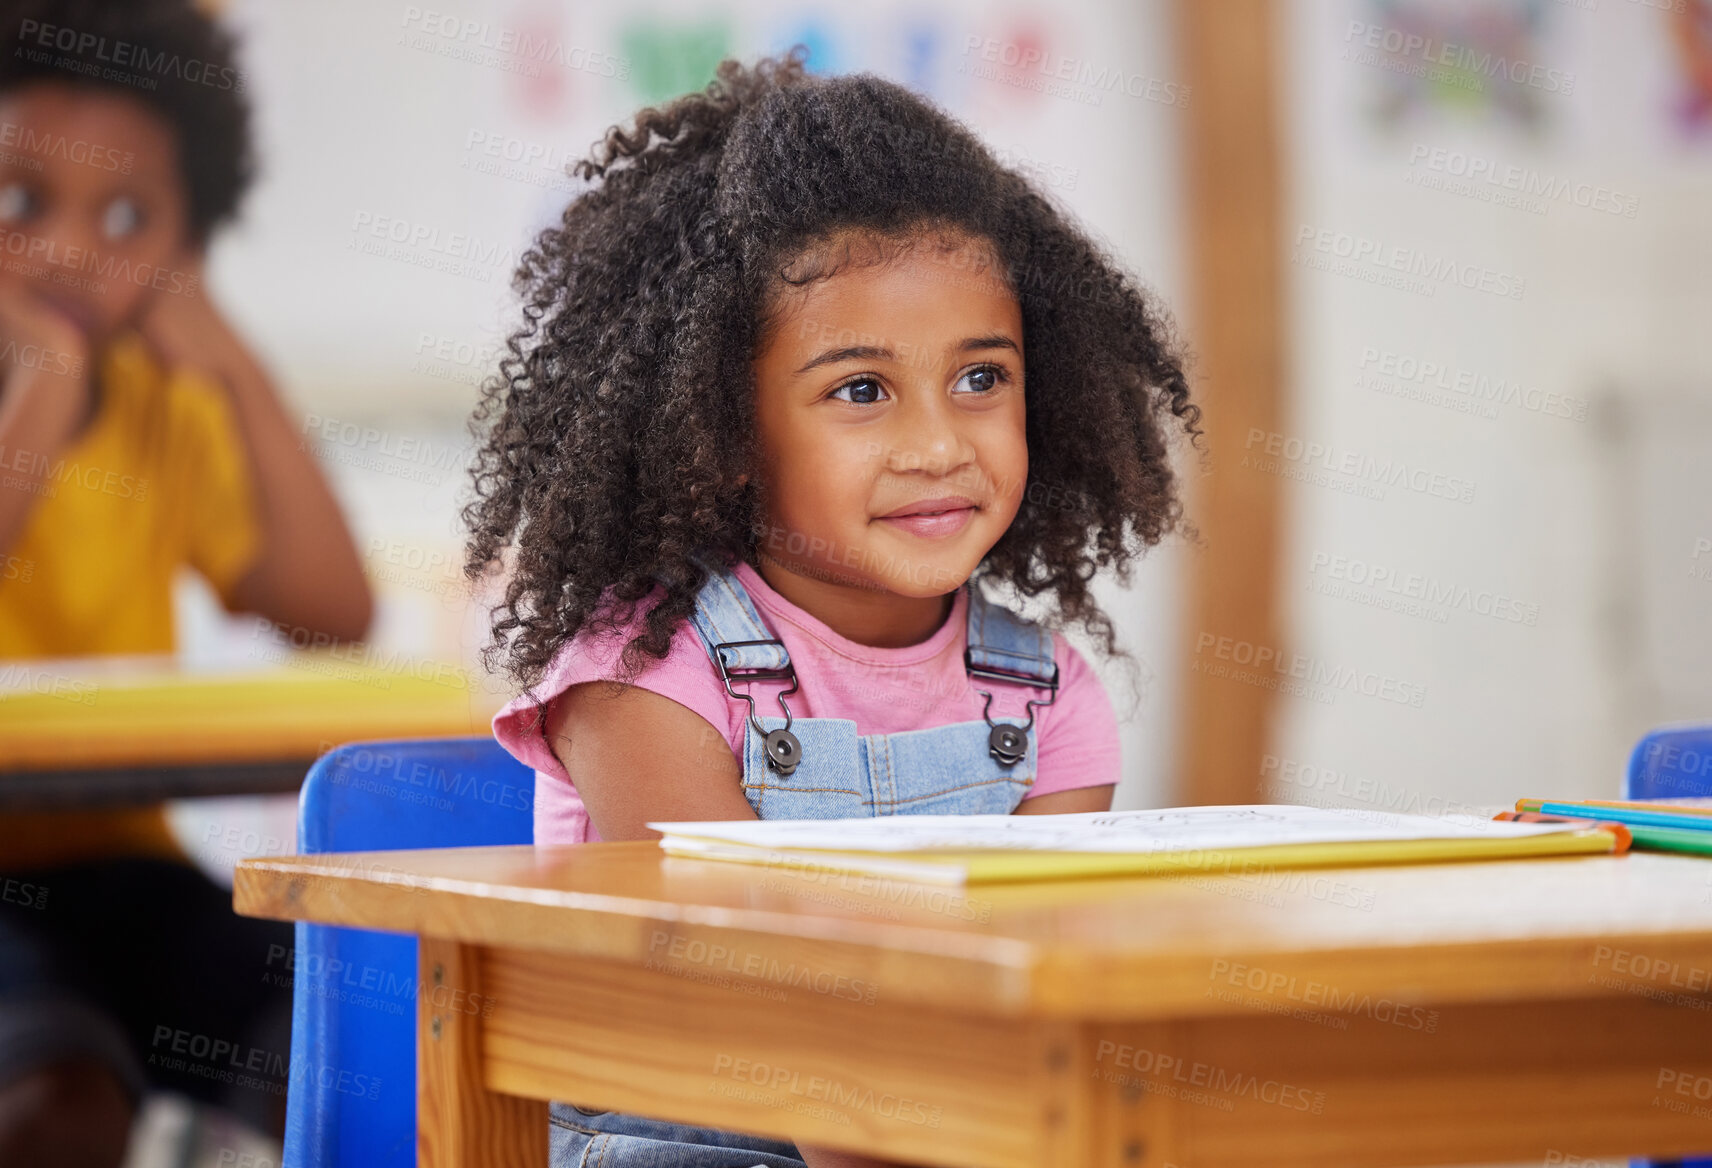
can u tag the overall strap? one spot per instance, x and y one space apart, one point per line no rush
998 641
724 615
741 649
1002 646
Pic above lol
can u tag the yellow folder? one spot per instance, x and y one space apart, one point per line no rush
993 866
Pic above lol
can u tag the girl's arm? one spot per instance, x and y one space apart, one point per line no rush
1068 802
309 575
636 756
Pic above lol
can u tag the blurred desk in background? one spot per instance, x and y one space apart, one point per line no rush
107 731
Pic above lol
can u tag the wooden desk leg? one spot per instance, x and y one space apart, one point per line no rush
1124 1125
459 1122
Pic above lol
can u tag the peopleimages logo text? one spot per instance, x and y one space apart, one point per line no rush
1522 180
1028 58
88 45
527 47
1410 370
40 144
1362 254
1390 472
1430 51
1311 670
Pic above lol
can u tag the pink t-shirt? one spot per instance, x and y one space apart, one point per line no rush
883 691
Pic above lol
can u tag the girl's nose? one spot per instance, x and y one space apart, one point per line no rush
929 436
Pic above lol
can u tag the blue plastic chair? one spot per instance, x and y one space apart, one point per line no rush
351 1101
1671 762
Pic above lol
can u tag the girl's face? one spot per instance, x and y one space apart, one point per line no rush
91 203
889 404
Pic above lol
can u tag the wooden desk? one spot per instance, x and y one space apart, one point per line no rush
93 732
1437 1014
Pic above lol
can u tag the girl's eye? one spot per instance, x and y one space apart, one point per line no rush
863 391
983 379
122 218
16 202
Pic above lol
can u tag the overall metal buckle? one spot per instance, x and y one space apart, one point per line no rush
1006 741
783 750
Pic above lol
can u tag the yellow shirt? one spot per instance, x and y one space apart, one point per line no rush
157 480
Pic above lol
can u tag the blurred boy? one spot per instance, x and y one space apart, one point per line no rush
137 434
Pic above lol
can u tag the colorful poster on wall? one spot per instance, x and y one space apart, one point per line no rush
1485 61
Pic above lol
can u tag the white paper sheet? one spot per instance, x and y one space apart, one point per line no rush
1173 829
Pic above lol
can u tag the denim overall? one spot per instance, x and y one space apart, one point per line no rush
820 768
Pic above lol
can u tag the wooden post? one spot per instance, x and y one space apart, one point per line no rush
459 1122
1227 52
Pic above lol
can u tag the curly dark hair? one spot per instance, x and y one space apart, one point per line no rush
166 54
604 463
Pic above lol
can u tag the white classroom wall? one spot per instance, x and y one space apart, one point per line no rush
1587 524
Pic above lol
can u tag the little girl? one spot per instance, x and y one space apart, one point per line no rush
801 366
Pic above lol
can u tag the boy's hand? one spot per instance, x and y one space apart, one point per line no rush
184 329
44 366
31 320
308 574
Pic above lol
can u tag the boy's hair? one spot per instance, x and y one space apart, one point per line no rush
613 434
166 54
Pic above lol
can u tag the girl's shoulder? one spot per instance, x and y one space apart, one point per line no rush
1080 745
593 653
684 674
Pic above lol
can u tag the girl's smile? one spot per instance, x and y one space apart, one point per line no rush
933 518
